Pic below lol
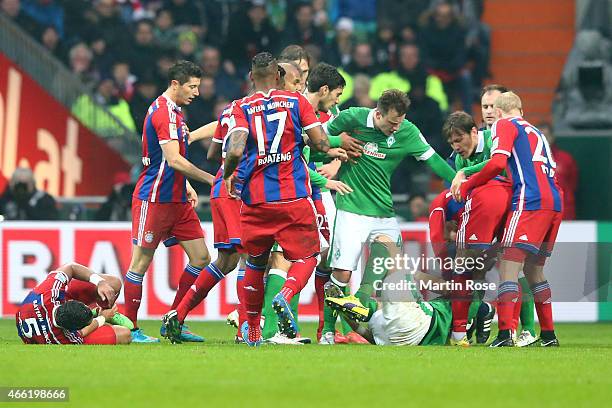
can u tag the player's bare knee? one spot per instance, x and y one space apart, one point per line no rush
384 239
123 335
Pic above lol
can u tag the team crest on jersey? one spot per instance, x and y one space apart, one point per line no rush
390 141
337 254
148 237
371 149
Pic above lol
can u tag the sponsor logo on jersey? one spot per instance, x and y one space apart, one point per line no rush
371 149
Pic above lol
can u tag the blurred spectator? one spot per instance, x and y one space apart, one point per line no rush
80 58
361 93
363 14
401 13
45 13
107 95
186 13
124 80
250 34
22 201
12 9
277 12
321 18
103 56
201 110
425 113
165 61
362 61
118 204
385 47
419 208
146 91
443 43
166 34
339 52
227 84
410 69
50 39
302 30
478 40
187 45
105 22
144 52
566 172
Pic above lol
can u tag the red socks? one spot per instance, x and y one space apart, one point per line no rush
190 274
132 293
506 298
542 298
298 276
209 277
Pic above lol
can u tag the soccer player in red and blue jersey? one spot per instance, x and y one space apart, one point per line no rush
163 201
275 189
535 215
57 311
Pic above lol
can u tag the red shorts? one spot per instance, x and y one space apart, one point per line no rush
484 215
322 222
532 231
102 335
226 222
153 222
293 224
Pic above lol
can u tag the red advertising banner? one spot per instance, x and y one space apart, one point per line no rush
29 250
38 132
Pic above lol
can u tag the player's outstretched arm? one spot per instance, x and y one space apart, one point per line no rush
492 169
179 163
440 167
203 132
317 139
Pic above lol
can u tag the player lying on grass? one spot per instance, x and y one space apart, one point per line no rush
59 310
402 318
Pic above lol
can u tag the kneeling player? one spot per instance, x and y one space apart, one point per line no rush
53 312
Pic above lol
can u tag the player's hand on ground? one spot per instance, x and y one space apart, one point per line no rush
330 169
338 153
230 185
192 196
338 186
106 292
353 147
109 313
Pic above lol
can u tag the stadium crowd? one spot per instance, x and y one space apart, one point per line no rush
436 50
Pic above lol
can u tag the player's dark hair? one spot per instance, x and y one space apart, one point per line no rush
263 65
73 315
393 99
457 123
294 53
491 88
182 71
325 74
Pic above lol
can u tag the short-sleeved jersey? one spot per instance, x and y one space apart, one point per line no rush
530 166
158 182
224 124
370 177
273 168
35 318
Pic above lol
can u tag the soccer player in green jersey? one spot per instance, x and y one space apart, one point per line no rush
401 318
368 212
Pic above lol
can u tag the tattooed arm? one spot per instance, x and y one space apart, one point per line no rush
317 139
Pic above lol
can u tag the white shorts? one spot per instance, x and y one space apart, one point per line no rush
351 231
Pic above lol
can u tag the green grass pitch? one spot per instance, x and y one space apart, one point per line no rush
219 373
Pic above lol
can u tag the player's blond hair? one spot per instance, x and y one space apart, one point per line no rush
508 102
